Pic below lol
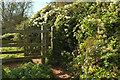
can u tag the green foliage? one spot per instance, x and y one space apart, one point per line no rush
8 36
12 49
99 42
27 71
93 27
11 55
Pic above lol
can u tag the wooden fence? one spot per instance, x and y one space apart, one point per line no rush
34 41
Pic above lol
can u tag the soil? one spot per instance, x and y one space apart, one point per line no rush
59 72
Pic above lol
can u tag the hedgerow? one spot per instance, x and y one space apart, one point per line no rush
92 27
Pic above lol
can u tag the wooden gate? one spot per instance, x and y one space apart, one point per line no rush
34 41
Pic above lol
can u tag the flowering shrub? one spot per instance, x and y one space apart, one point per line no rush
94 28
99 43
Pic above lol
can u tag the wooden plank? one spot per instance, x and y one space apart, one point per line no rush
12 52
23 31
23 44
11 41
27 58
42 41
26 41
47 42
45 39
34 54
51 37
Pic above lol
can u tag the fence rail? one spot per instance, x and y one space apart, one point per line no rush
23 31
23 44
12 52
41 45
28 58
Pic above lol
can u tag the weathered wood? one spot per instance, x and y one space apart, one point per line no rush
23 44
20 59
47 42
25 41
11 41
34 54
51 37
23 31
12 52
27 44
42 48
34 49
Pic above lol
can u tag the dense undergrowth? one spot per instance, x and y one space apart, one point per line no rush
27 71
87 36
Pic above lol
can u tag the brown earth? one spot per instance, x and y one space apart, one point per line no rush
59 72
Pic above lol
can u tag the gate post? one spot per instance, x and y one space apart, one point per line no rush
52 38
42 46
25 41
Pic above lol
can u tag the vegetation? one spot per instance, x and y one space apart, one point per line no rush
11 55
28 70
14 13
89 32
86 39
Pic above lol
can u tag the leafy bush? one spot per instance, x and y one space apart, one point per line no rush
99 44
93 27
27 71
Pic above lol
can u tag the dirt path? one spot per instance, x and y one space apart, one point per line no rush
59 72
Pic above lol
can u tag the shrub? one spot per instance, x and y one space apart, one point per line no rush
28 70
94 28
98 39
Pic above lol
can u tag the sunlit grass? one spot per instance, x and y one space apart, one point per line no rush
11 49
11 55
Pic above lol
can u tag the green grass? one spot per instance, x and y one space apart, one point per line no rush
12 49
4 49
11 55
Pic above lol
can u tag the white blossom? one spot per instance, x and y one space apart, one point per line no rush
98 19
65 29
57 9
100 36
31 19
35 23
106 41
101 32
114 50
104 47
66 25
104 51
40 23
109 48
66 6
104 35
46 16
102 24
67 17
